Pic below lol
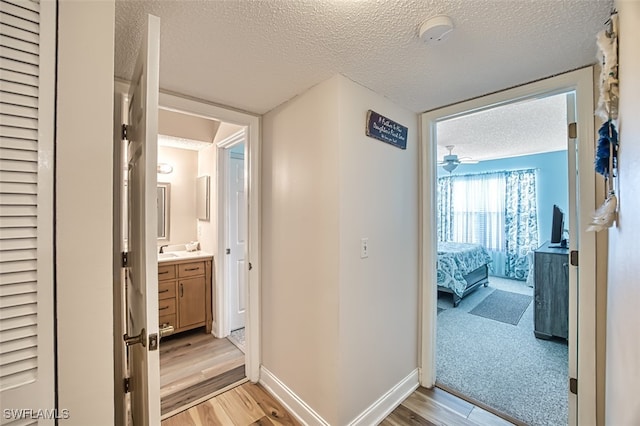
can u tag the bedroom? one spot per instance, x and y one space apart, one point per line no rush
511 169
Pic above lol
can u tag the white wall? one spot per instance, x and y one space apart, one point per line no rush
338 330
84 211
300 245
182 215
379 294
207 230
623 323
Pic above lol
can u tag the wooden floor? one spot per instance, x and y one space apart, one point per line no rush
247 404
194 365
250 404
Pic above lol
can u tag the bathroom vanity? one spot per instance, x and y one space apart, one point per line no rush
184 290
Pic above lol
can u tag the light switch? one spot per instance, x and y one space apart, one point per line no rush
364 248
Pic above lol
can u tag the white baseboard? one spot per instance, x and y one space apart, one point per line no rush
388 402
291 402
374 414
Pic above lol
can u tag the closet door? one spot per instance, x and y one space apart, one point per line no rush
27 55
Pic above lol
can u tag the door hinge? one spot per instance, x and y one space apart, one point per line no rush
573 130
574 257
228 251
125 259
250 266
573 385
124 131
127 385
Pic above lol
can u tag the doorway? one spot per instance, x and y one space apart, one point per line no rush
581 203
495 201
251 126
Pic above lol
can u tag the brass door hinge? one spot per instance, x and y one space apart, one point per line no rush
125 259
127 385
574 257
124 131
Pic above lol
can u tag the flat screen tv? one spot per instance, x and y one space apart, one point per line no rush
557 227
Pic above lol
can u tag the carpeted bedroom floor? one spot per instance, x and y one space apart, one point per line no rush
499 364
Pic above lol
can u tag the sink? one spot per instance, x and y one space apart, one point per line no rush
167 255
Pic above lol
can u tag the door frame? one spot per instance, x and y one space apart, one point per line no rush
222 328
581 81
252 124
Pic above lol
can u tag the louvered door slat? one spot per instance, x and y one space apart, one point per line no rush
21 10
12 289
20 200
18 177
19 77
18 55
18 88
19 222
18 111
19 277
17 266
18 166
7 211
14 99
19 311
18 188
20 45
18 155
11 357
17 121
25 145
17 300
18 33
11 233
16 22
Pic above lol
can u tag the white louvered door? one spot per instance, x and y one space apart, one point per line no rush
27 61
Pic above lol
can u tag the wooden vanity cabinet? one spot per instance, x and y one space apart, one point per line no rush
184 294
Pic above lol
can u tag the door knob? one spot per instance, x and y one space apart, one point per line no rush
133 340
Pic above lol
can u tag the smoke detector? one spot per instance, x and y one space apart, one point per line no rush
436 30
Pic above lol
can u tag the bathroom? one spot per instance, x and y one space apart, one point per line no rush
201 224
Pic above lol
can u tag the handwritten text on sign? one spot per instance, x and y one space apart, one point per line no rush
386 130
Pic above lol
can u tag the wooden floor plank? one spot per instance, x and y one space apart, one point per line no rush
402 416
485 418
431 410
271 407
176 400
448 400
240 406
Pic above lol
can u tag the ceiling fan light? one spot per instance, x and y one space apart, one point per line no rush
450 166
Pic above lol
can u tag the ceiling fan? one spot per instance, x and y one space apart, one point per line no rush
451 161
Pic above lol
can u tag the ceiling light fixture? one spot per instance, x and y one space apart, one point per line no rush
165 168
436 29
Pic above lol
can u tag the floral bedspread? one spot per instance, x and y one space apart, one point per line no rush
455 260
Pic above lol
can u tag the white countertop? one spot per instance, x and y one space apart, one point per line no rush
181 255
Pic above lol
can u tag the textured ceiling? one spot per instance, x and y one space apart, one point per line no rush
534 126
254 55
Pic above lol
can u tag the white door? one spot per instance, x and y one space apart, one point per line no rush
572 153
27 345
237 235
142 270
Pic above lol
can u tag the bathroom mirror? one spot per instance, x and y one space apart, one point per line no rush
164 193
202 197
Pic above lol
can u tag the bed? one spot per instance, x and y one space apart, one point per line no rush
462 268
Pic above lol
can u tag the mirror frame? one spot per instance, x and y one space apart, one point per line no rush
164 209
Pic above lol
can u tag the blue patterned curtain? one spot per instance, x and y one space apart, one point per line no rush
445 209
497 210
521 222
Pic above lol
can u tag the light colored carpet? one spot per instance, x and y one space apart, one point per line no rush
237 338
502 365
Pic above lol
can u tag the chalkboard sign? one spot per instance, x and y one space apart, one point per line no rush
381 128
